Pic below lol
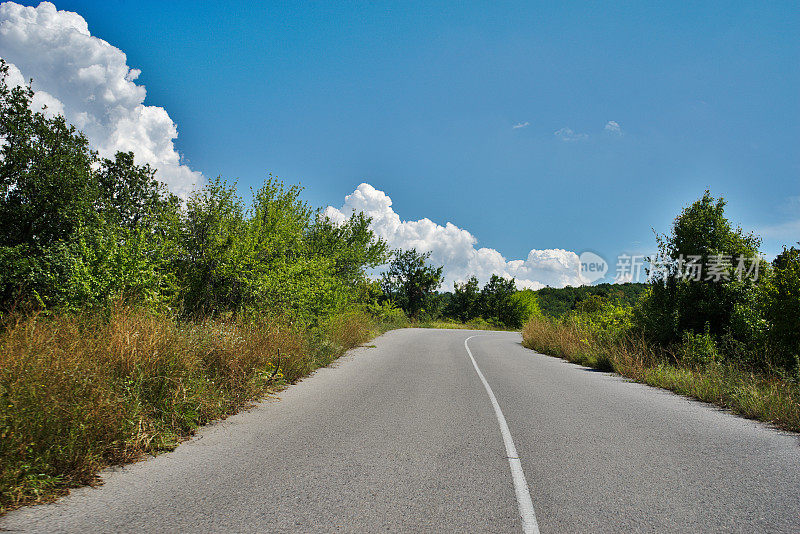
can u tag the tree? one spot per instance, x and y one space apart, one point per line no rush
529 303
683 296
782 309
74 229
131 196
465 304
77 230
351 243
409 281
498 302
212 266
47 185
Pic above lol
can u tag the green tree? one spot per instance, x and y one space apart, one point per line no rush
290 270
133 247
782 310
499 303
132 197
277 257
212 259
529 303
351 244
46 193
465 304
75 230
409 281
684 299
46 180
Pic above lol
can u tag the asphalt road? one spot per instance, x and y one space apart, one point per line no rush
403 437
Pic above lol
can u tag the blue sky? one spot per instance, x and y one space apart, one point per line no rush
420 100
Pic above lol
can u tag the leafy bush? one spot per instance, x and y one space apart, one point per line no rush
699 349
387 314
782 310
498 303
601 318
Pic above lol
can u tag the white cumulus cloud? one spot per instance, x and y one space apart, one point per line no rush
613 127
89 81
455 248
566 134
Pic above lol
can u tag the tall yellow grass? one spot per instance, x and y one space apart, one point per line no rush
80 392
757 396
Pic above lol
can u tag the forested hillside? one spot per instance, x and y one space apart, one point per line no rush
555 302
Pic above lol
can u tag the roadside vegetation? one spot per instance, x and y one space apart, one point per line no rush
711 334
84 391
129 317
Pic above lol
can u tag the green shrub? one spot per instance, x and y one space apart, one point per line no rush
604 319
388 314
699 349
782 311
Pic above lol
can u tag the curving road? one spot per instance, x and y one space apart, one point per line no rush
404 437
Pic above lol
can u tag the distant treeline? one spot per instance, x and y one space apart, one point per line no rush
555 302
411 283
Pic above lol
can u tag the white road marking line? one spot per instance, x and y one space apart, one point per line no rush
529 524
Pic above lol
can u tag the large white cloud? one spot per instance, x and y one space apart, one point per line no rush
454 247
89 81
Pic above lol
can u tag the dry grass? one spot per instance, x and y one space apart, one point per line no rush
766 398
81 392
476 324
350 330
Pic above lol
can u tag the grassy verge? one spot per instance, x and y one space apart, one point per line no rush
766 398
82 392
